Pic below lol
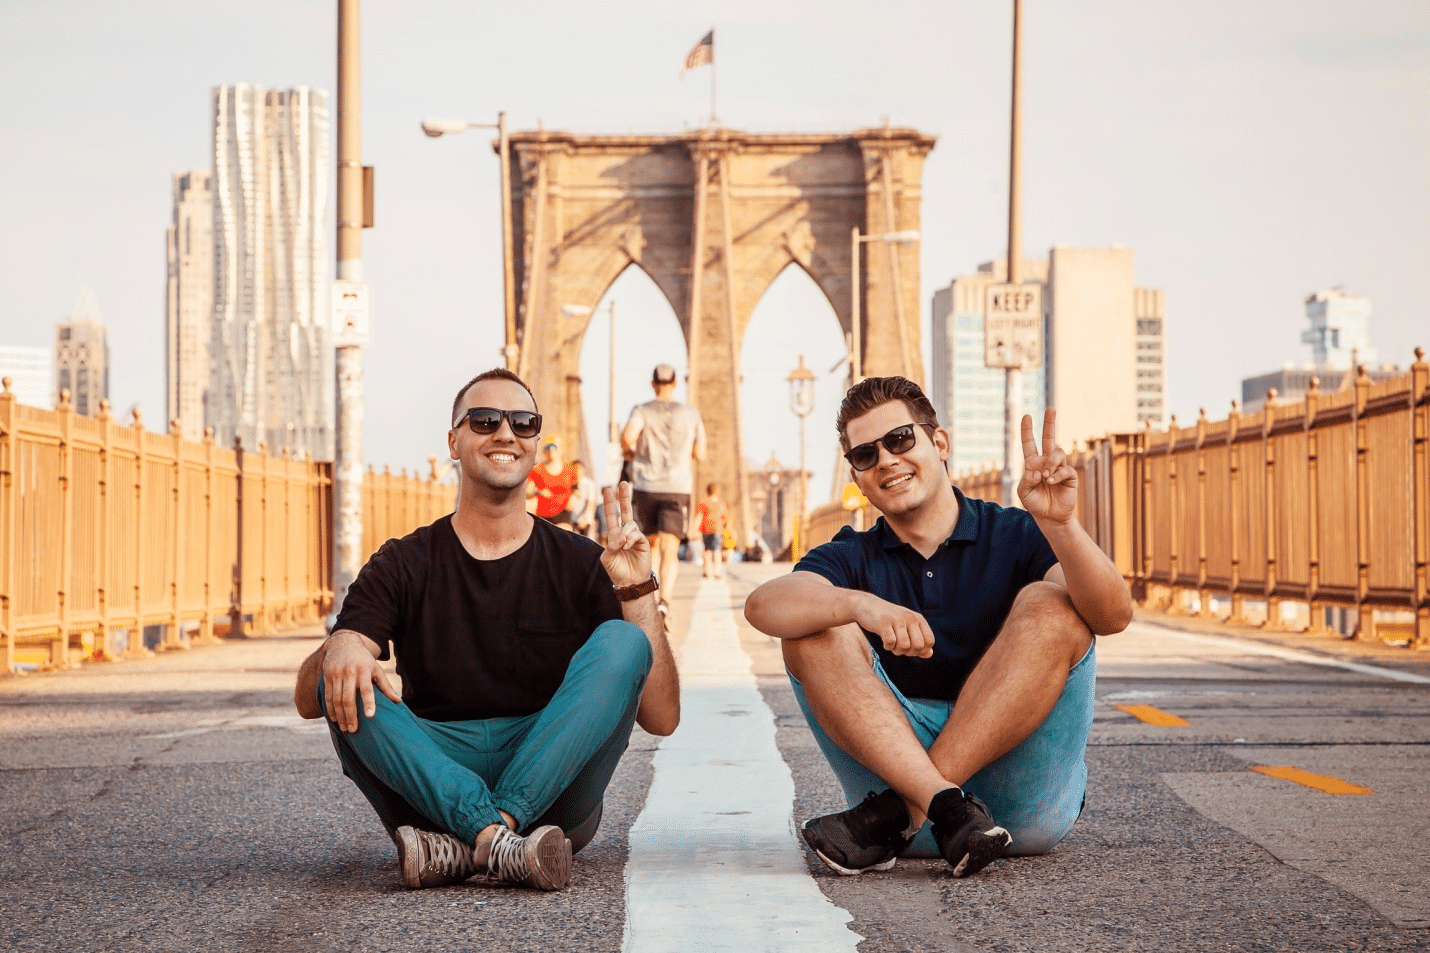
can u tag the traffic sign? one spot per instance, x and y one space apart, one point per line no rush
352 313
1013 326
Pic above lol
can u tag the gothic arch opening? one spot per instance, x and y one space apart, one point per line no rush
793 318
647 333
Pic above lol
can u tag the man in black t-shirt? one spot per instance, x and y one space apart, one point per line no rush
943 658
526 655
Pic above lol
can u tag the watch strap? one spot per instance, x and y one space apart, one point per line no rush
630 593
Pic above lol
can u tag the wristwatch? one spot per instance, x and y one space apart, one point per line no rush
630 593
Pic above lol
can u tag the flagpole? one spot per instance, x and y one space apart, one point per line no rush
714 120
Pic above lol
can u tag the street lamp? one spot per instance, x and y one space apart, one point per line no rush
801 403
773 470
437 128
906 237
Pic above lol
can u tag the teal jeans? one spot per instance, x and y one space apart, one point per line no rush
1035 791
549 767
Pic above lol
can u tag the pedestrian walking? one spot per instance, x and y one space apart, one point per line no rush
944 658
712 516
582 504
526 655
660 439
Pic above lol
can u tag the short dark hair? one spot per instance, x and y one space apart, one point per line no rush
710 488
496 373
873 391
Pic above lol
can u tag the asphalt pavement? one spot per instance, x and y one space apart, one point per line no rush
179 802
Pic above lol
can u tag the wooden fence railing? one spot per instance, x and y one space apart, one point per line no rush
107 529
1323 501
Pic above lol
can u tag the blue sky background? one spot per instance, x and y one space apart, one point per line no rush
1247 153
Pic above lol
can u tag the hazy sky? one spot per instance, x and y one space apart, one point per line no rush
1248 153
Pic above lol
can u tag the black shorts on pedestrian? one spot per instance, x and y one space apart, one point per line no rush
661 512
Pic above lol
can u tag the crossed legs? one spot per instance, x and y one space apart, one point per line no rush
1009 694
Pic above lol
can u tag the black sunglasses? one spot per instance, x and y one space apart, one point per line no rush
896 441
486 420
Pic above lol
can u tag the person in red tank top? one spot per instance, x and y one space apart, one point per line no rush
551 484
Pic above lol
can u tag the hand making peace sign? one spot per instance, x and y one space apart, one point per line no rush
627 555
1048 489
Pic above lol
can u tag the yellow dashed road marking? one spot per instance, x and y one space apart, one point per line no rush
1154 716
1321 782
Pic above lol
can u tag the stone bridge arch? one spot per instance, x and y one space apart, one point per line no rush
713 217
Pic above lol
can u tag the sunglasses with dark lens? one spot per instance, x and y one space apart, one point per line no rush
487 420
896 441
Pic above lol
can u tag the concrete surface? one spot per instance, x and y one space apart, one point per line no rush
177 803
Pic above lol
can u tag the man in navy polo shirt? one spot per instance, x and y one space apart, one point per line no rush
976 700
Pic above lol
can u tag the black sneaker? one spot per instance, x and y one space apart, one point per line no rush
868 836
965 832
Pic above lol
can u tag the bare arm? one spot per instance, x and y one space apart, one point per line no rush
627 561
630 435
1048 491
697 450
805 603
347 661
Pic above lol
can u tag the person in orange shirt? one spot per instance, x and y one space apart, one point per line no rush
552 483
712 515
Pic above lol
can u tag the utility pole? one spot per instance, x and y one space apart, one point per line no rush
347 462
1013 374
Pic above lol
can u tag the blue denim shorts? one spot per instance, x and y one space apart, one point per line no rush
1036 790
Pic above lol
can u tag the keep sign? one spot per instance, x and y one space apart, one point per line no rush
352 313
1013 326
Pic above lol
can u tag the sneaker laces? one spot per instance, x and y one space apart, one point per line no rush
446 855
507 861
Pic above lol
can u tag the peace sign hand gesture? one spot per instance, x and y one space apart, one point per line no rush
627 555
1048 489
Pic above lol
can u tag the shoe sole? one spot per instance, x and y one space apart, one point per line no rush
838 868
984 847
548 855
409 856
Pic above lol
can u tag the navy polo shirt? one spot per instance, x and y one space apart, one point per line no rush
964 589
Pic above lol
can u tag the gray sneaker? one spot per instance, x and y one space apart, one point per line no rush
430 859
541 859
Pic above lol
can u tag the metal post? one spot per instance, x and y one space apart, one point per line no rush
508 276
856 364
613 435
1013 376
347 462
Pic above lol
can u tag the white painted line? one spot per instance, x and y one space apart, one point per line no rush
714 864
1289 655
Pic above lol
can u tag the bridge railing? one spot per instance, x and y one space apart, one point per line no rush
107 530
1322 502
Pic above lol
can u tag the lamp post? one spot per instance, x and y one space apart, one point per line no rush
801 402
613 433
436 128
773 471
906 237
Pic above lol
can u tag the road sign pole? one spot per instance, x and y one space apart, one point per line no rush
1013 378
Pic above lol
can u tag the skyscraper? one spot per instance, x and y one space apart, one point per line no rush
1150 305
1104 356
272 378
967 396
190 297
1339 334
82 357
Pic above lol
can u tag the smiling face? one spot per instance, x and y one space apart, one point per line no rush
496 461
900 483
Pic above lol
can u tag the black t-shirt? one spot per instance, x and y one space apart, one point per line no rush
480 638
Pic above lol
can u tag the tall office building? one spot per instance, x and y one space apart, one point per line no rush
967 396
30 372
1104 359
1339 336
1151 312
82 357
189 300
272 364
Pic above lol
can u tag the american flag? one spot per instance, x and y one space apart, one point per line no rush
701 54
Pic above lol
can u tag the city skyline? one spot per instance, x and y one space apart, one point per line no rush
1236 204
